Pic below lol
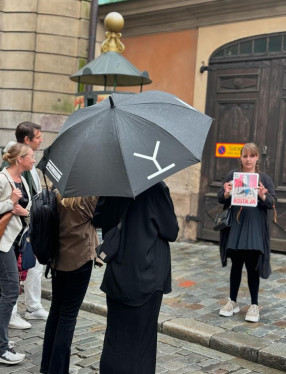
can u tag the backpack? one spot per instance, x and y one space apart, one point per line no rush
44 227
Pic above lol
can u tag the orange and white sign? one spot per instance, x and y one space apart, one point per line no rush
78 102
230 150
101 97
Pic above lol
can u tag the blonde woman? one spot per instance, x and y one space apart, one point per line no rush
15 197
70 277
247 241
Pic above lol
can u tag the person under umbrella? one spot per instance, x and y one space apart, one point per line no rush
137 277
71 271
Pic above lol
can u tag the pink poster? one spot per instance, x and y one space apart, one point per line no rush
245 189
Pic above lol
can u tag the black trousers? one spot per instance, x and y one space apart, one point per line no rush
130 343
69 289
250 259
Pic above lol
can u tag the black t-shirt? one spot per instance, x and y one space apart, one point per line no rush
23 201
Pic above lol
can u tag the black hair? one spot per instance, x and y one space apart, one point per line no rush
26 129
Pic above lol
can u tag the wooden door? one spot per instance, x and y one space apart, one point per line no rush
247 98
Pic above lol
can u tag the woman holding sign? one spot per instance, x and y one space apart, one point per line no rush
247 240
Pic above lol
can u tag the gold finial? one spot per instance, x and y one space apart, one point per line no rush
113 23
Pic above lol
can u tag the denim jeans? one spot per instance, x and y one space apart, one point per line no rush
68 291
9 291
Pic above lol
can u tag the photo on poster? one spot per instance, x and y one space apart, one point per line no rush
245 189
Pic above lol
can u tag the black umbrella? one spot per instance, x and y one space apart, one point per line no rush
125 144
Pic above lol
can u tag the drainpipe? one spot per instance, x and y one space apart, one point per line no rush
92 35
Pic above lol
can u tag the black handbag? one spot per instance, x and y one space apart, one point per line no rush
26 251
110 246
108 249
222 220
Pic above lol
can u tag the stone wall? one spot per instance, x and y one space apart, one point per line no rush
43 43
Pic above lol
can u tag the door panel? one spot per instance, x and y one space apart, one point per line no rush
248 102
234 119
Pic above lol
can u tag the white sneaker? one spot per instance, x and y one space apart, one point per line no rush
252 314
17 322
229 309
37 314
11 357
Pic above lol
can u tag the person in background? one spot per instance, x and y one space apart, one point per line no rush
71 273
15 197
136 278
247 240
30 133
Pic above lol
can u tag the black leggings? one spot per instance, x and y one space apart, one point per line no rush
250 259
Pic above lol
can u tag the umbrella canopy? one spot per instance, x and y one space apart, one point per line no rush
125 144
111 69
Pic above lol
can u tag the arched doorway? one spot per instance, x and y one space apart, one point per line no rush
247 98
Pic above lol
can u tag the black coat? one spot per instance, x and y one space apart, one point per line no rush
143 263
262 209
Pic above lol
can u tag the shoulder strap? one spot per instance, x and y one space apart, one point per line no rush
274 207
8 181
273 201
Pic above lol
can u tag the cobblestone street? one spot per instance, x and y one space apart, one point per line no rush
193 337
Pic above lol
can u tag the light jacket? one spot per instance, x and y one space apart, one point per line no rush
26 174
15 225
77 235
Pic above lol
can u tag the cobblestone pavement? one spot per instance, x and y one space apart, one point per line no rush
190 313
174 356
200 288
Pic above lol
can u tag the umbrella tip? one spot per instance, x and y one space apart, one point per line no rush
111 102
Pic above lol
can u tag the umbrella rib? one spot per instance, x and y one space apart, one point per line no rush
182 105
122 156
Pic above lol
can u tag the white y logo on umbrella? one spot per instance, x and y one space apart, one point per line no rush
153 158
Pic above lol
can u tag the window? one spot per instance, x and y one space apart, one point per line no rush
275 44
256 47
260 45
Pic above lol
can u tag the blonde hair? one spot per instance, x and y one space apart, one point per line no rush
72 202
15 151
253 150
